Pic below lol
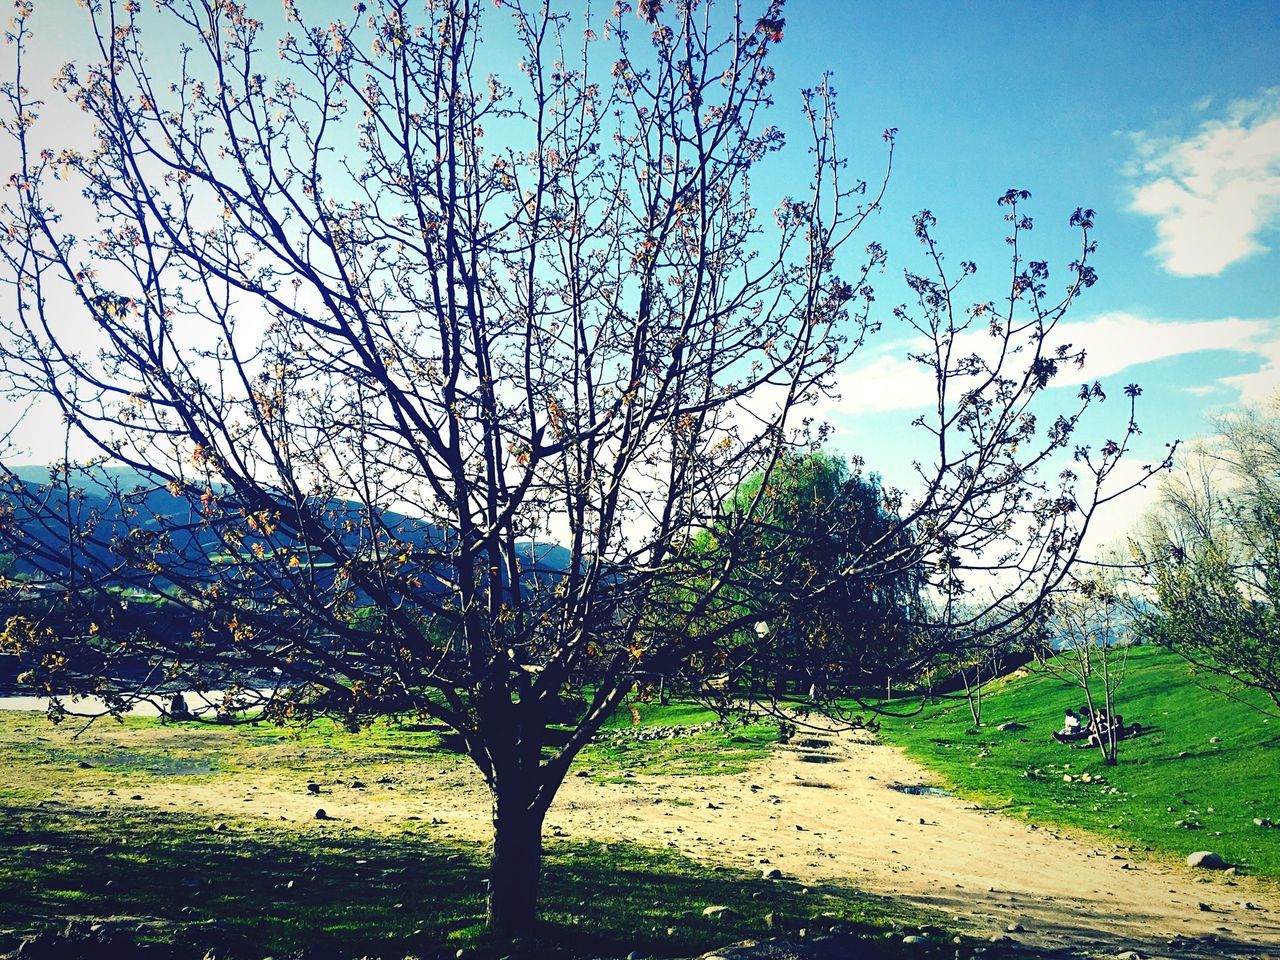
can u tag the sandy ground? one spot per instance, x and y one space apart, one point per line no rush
823 813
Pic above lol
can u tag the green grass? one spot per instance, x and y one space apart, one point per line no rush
655 714
247 891
700 746
251 886
704 747
1173 772
254 886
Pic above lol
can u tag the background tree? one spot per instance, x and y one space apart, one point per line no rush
968 668
408 384
1087 646
833 582
1210 551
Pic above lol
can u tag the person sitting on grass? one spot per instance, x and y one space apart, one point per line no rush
1070 727
178 709
1107 726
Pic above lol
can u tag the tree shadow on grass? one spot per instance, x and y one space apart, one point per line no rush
253 888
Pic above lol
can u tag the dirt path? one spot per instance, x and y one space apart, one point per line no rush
840 819
822 813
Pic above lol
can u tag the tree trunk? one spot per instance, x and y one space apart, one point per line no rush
512 908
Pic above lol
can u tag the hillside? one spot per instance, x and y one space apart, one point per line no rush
1205 768
104 495
107 504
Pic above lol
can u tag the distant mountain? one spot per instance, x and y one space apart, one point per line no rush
102 496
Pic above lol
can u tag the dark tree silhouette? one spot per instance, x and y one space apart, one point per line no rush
407 384
833 585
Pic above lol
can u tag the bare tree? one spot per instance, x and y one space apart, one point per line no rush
1088 648
426 377
977 665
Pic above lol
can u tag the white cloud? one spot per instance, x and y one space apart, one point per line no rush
1118 341
1216 193
1113 342
1260 385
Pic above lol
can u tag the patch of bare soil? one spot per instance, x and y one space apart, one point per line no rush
830 810
848 818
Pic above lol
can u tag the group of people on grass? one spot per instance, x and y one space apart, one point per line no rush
1090 729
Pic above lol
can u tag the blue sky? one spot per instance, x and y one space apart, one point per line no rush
1164 118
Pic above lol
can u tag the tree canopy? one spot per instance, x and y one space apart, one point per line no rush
1210 551
408 378
834 582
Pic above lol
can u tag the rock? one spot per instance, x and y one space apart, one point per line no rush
1206 860
581 773
635 955
313 788
85 765
718 912
1215 739
136 796
1205 908
915 939
1262 822
1011 726
1015 928
1129 955
771 873
219 826
321 815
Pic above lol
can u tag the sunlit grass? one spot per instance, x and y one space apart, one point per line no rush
1206 760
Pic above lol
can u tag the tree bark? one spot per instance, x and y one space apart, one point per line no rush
516 866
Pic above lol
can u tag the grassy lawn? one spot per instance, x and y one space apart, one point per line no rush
677 739
1211 762
250 892
249 886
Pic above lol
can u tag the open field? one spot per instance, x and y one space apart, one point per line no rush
207 837
1205 768
246 890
